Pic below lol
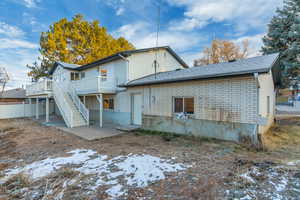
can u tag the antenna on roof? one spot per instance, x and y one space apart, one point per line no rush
156 65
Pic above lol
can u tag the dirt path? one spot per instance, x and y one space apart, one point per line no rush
213 169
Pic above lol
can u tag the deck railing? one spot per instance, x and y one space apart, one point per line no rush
94 85
39 88
87 85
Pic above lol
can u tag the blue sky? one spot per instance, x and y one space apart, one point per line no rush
186 25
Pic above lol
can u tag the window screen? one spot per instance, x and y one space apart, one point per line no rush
178 105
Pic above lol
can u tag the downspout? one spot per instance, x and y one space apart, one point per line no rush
127 66
256 130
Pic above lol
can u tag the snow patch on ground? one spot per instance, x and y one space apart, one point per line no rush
293 163
134 170
273 182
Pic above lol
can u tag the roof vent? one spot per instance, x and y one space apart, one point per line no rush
232 60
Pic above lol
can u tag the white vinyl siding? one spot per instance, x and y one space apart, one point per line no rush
141 64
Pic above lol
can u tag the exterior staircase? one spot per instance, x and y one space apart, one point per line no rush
73 111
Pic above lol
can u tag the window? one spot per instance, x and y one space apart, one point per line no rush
108 103
103 73
268 104
82 75
184 104
74 76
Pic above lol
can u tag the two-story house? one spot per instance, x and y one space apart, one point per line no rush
91 92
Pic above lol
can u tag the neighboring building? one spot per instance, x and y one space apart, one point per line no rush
13 96
96 84
230 101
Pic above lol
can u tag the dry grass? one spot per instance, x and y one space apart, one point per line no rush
284 134
14 185
210 160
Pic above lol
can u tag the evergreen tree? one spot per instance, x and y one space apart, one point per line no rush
78 42
284 37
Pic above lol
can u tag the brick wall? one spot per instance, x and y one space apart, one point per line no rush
230 99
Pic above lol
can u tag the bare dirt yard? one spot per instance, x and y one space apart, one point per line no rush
39 162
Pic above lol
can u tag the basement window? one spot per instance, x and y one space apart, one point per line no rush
108 103
183 105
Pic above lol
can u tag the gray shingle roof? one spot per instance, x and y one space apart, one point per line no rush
68 65
258 64
18 93
116 56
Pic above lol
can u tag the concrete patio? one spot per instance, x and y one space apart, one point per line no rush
92 132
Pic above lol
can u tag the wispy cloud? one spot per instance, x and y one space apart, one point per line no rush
15 53
141 34
10 31
244 15
30 3
255 43
8 43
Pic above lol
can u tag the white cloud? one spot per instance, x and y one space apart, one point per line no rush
8 43
10 31
30 3
36 26
15 53
244 14
120 11
255 43
143 35
15 61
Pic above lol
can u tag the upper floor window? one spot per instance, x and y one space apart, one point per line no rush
75 76
82 75
183 105
103 73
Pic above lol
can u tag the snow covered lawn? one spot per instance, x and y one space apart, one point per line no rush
116 173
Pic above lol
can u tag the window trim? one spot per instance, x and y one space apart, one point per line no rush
73 73
103 76
113 100
183 97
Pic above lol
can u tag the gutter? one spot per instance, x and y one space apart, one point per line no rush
172 80
256 129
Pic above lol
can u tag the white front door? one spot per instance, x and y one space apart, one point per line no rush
137 109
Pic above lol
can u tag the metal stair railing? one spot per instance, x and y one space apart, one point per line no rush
79 105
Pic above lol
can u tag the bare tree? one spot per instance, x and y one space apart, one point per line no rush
222 51
3 78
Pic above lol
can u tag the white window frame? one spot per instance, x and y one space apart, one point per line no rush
183 97
74 76
103 78
109 98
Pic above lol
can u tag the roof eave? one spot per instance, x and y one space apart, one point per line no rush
266 70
